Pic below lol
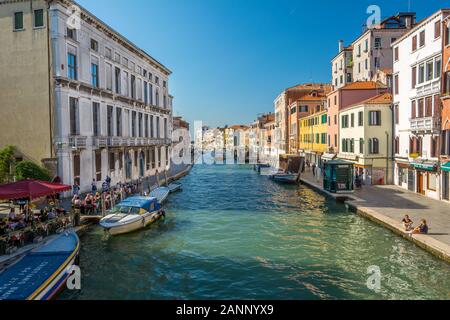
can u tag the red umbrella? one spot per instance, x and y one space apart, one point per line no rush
31 189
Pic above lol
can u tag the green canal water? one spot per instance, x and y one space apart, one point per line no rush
232 234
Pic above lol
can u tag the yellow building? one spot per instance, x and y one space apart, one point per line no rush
26 120
313 136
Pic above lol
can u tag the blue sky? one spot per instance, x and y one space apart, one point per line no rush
231 58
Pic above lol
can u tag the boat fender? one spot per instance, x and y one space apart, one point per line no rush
163 214
143 221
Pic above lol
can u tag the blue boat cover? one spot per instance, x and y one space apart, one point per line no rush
22 279
141 203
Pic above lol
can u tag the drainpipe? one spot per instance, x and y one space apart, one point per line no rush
392 157
50 84
387 157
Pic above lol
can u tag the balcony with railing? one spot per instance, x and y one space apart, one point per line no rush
428 88
426 124
78 142
100 142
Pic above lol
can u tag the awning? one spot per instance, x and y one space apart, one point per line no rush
348 157
446 167
329 156
403 165
425 165
30 189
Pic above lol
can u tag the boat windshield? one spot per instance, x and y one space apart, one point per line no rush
125 210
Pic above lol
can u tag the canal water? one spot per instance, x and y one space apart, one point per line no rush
232 234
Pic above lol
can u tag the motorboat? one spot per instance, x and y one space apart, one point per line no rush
259 167
132 214
161 194
174 187
287 178
41 273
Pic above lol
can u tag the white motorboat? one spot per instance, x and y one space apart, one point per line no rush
132 214
161 194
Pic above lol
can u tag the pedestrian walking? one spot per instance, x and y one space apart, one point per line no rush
314 167
105 187
76 189
94 187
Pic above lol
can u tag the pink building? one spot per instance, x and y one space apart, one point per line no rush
342 98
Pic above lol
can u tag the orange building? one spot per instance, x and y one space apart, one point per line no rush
342 98
445 150
282 111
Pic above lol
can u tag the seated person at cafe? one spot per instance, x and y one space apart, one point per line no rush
22 224
407 223
52 214
12 216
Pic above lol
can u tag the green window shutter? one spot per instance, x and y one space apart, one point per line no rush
18 21
39 18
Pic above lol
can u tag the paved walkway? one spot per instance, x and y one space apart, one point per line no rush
388 205
175 172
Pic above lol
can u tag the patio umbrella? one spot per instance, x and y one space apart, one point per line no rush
31 189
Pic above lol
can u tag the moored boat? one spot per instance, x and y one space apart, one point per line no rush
161 194
131 215
286 178
42 272
259 167
174 187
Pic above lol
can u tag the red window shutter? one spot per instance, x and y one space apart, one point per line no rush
396 84
429 107
437 106
413 109
421 113
414 77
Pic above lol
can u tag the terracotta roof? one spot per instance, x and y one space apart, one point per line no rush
386 70
311 86
380 99
384 98
364 85
238 127
319 97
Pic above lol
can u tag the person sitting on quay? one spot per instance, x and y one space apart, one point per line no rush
422 228
407 223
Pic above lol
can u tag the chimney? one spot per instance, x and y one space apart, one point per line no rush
341 45
409 19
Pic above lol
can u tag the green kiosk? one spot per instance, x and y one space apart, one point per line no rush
338 176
